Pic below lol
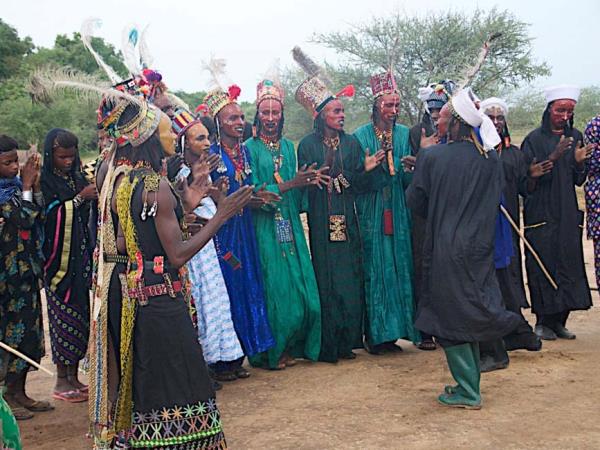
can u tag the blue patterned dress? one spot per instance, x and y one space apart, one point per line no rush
21 259
215 326
236 241
592 190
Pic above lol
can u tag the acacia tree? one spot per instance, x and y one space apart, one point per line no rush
427 49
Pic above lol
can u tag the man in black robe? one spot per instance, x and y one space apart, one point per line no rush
494 354
553 220
457 187
434 97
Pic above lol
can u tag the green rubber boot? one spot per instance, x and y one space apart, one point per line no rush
463 361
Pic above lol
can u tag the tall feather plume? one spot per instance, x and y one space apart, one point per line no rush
47 83
146 59
470 73
129 41
311 68
216 68
87 32
273 73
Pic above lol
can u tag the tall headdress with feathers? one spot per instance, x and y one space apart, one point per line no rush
314 93
130 38
46 84
471 72
221 92
87 32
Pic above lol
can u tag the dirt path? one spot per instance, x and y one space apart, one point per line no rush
545 400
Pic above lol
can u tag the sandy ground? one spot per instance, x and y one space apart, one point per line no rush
544 400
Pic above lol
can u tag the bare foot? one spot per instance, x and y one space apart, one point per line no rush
63 385
73 381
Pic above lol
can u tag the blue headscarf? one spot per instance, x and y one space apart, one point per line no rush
9 188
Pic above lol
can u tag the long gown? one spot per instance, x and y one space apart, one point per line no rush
554 227
236 239
338 264
215 325
387 258
289 279
21 327
68 254
592 192
458 190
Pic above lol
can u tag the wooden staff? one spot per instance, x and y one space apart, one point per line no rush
26 358
529 247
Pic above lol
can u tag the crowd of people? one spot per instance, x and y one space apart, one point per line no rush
188 233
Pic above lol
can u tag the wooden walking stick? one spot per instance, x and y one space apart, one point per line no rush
529 247
25 358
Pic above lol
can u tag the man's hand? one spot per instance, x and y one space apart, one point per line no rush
428 141
536 169
582 153
233 203
372 161
89 192
563 145
409 163
263 197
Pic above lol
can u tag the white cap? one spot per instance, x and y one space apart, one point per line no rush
494 102
463 106
563 91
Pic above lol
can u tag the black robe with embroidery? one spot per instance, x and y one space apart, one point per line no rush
458 191
553 226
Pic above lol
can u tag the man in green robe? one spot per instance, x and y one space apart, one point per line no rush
292 297
334 233
385 223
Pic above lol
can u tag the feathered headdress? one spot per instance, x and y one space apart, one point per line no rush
130 38
47 83
311 68
469 74
313 94
219 96
87 32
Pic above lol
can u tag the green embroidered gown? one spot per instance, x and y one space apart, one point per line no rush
289 281
387 258
337 264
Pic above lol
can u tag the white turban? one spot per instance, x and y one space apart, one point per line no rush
424 93
468 112
494 102
563 91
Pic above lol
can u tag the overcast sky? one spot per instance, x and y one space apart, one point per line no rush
250 34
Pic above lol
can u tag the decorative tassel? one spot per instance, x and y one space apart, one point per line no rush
154 208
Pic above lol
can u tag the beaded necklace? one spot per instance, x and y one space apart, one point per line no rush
239 161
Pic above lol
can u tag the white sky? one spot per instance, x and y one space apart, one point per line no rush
250 34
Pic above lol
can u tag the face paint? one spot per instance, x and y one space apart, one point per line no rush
196 141
166 135
561 112
63 158
496 115
334 116
388 106
231 119
9 164
269 114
